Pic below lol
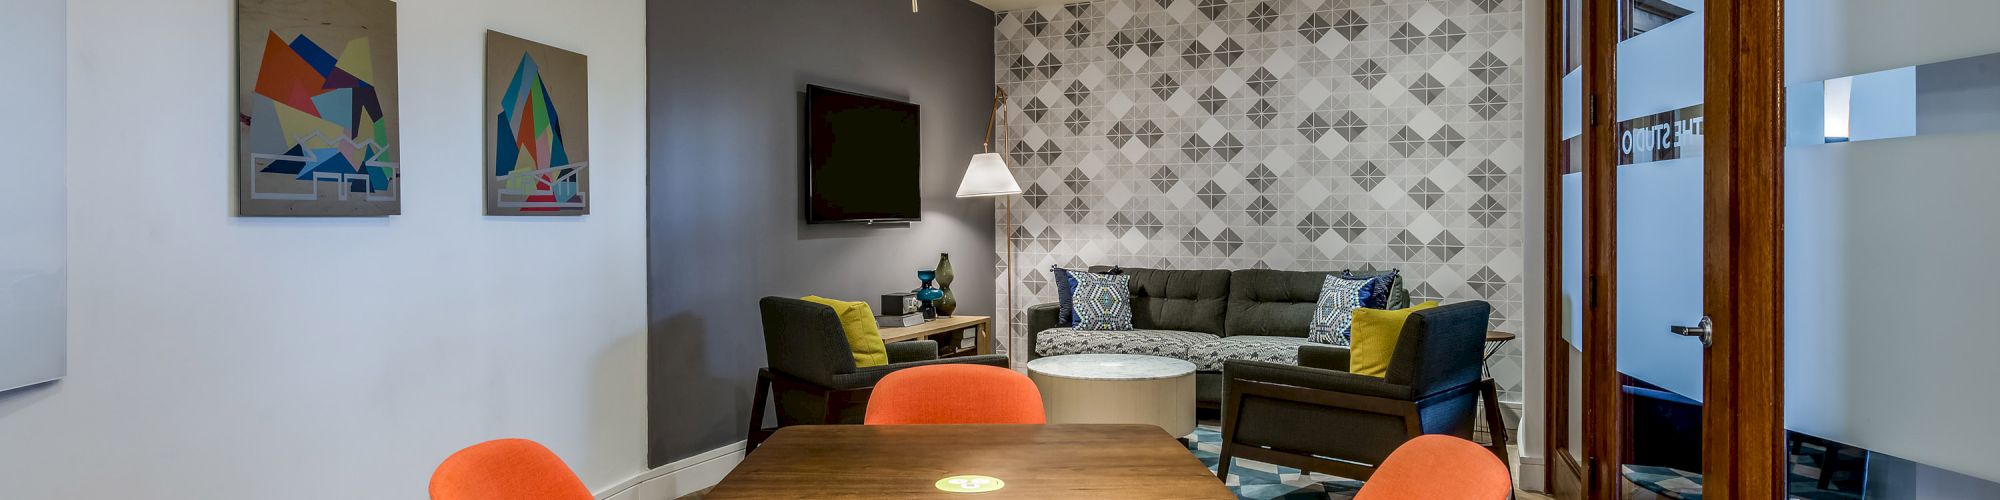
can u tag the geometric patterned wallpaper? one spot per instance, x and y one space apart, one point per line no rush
1281 134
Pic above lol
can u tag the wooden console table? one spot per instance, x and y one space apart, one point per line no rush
949 327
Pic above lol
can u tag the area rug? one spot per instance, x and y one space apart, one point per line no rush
1253 480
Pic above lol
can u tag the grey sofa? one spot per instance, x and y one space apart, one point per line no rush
1205 317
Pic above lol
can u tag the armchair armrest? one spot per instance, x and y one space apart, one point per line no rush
912 350
1324 357
1040 317
1312 378
867 377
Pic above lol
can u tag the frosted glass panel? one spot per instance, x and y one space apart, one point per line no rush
1893 220
32 312
1660 70
1659 273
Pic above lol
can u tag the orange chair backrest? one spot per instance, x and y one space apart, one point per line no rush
955 394
506 469
1439 467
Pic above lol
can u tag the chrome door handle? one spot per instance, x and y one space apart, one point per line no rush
1705 330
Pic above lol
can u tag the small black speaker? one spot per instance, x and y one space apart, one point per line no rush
899 303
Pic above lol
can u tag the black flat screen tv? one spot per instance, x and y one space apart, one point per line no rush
862 158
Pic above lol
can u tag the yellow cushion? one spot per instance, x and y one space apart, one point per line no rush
1374 338
858 320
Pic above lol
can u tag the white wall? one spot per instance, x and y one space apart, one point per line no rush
1534 400
1888 250
31 228
217 357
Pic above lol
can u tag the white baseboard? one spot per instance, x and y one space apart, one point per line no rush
680 478
1529 473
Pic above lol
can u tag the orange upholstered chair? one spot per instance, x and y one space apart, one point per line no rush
506 469
1439 467
955 394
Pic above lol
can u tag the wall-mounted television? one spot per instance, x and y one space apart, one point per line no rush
862 158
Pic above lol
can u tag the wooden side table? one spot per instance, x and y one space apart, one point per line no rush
947 326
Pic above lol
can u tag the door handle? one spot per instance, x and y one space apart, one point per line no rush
1704 330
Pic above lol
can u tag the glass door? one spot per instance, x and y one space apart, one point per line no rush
1658 313
1668 177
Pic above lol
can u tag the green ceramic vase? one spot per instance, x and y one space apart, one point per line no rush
949 303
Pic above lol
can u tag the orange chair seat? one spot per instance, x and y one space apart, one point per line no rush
506 469
1439 467
955 394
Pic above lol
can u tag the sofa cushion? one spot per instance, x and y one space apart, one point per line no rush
1271 303
1163 343
1280 303
1188 301
1209 355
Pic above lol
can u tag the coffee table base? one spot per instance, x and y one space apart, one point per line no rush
1166 402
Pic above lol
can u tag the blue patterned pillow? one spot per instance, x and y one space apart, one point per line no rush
1102 301
1065 288
1381 292
1333 318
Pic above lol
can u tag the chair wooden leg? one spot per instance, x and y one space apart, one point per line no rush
757 433
1222 464
1496 425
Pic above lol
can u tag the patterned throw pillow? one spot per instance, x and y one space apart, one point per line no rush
1381 294
1066 289
1102 301
1338 297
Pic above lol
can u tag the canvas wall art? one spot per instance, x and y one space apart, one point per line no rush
316 108
537 128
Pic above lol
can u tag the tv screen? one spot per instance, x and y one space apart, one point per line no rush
862 158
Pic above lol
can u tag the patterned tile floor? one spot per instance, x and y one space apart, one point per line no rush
1253 480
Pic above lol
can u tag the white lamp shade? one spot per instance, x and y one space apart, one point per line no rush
987 176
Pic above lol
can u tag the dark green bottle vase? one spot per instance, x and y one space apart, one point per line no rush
949 303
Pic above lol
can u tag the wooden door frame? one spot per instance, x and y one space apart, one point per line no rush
1743 257
1562 475
1743 273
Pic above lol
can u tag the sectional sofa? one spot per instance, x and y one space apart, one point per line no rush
1205 317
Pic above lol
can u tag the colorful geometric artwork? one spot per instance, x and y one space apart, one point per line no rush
316 109
538 129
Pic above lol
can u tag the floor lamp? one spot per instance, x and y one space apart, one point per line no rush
988 176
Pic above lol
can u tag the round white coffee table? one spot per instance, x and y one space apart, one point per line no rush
1117 389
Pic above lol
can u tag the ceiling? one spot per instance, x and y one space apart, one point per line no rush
1004 5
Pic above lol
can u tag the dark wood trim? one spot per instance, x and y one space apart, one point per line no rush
1601 427
1555 350
1743 427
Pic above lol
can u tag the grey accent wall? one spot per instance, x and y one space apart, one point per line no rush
725 225
1282 134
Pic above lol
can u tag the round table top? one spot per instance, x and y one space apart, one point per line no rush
1111 367
1498 336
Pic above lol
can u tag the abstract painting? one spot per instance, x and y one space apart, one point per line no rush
538 128
316 108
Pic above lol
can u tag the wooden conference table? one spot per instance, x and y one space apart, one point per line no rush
1112 461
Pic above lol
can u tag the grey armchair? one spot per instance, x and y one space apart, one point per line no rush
1320 418
811 373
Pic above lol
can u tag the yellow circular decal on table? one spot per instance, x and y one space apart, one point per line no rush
970 484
